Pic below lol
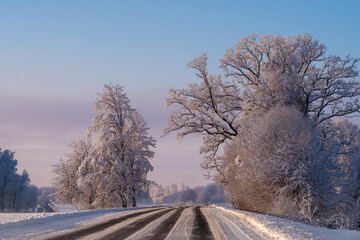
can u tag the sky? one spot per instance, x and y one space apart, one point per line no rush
56 55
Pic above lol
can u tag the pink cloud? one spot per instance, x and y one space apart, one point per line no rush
39 130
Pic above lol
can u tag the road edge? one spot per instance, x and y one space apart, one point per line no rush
256 224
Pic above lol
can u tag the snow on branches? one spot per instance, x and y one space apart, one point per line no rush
293 71
211 108
261 72
276 111
112 171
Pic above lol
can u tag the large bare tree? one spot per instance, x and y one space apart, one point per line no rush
211 108
261 72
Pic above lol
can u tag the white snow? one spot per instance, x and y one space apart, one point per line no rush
279 228
228 226
225 223
16 217
41 227
184 226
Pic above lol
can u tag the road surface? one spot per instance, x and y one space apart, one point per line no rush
154 222
184 222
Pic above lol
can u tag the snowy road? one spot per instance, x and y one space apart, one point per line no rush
198 223
181 222
159 222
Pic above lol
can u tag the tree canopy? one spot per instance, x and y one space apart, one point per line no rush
272 127
259 73
112 171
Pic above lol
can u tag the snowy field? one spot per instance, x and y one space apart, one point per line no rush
225 223
16 217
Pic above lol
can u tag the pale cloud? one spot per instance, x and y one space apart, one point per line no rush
39 130
177 162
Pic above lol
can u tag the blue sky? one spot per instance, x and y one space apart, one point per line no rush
55 55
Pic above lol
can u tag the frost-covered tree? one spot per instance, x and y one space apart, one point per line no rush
7 176
65 183
211 108
259 73
71 181
123 146
139 153
343 145
113 111
201 194
16 192
46 199
83 157
294 71
30 198
211 193
188 195
275 110
114 170
346 139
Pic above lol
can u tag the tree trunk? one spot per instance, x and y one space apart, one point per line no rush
13 202
133 197
2 195
124 201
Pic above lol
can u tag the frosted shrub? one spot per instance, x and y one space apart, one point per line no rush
343 145
284 206
273 156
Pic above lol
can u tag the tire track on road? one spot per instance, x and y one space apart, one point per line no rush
135 226
99 227
163 231
201 229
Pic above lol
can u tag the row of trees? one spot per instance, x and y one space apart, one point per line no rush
184 194
112 171
272 128
16 192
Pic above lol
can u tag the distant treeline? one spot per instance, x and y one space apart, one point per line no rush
184 194
16 192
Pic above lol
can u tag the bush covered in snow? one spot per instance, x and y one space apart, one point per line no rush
283 165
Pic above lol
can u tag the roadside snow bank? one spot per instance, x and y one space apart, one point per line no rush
283 229
16 217
43 226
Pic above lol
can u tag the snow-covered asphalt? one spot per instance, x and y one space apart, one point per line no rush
155 224
162 222
182 222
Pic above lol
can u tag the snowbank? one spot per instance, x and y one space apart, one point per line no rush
16 217
279 228
42 225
